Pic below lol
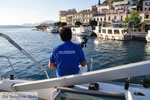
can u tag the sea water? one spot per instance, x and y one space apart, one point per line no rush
105 53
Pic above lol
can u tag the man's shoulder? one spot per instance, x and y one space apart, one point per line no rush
58 46
76 45
65 44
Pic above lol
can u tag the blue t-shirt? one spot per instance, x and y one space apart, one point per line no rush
67 57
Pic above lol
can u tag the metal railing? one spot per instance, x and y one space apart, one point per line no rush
24 52
9 64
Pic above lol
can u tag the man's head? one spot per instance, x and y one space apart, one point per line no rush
65 34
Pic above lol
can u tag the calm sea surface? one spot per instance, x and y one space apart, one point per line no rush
105 53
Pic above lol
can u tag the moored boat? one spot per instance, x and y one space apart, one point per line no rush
113 33
82 30
148 36
52 29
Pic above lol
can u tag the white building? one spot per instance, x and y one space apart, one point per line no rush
146 5
123 5
92 8
100 18
103 8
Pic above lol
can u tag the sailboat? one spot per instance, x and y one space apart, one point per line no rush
94 85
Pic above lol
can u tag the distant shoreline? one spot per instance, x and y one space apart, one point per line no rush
16 26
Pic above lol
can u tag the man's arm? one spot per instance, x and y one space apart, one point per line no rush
51 65
83 63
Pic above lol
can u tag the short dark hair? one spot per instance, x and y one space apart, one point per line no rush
65 34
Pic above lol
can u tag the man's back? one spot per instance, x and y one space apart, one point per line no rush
67 57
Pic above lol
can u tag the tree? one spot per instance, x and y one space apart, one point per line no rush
126 21
78 23
132 20
63 24
93 23
60 24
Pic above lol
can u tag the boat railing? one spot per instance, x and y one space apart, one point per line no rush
8 59
24 52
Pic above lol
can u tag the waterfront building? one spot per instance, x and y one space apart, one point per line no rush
92 8
70 18
63 14
122 6
147 20
123 3
146 5
103 8
63 19
84 16
116 17
101 18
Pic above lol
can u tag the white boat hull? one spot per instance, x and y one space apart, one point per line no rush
82 30
148 36
52 29
107 35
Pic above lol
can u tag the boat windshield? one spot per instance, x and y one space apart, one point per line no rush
67 95
124 31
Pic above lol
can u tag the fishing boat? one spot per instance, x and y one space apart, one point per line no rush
113 33
148 36
94 85
82 30
52 29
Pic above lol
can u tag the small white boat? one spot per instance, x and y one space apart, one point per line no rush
52 29
148 36
113 33
82 30
86 86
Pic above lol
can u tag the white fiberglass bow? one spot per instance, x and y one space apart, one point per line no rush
119 72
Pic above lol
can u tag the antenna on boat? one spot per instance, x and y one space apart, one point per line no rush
24 52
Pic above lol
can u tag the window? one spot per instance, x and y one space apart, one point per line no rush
140 17
116 31
97 19
147 16
146 3
145 8
109 18
124 31
101 19
104 31
121 18
115 17
149 8
70 95
109 31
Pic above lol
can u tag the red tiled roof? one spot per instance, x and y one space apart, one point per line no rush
84 11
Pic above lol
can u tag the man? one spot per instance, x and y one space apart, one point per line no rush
67 56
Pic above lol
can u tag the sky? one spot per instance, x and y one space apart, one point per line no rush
18 12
